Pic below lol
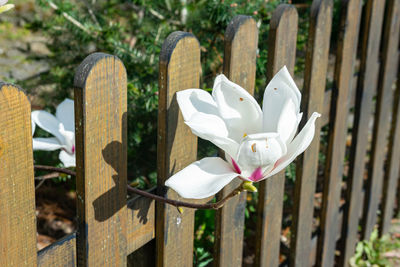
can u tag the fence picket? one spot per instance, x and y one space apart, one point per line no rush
17 189
281 51
366 87
177 147
241 40
347 45
101 151
141 229
60 253
312 100
391 177
387 76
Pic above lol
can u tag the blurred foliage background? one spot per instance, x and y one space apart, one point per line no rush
134 31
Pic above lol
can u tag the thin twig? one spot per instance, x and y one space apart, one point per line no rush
48 176
176 203
91 13
71 19
156 14
39 184
54 169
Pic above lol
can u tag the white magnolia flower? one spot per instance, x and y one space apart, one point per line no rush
257 143
4 6
62 126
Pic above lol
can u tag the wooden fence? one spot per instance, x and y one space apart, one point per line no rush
110 227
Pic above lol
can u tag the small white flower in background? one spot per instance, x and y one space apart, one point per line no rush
4 6
62 126
257 143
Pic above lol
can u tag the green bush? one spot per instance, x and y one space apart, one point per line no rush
372 252
134 31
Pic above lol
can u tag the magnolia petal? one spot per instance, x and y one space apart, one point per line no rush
299 117
283 77
48 122
290 138
33 126
279 91
237 107
287 122
192 101
212 128
257 175
69 139
65 114
259 151
202 179
67 159
46 144
6 8
3 2
298 145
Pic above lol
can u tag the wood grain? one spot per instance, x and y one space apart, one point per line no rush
312 100
241 40
366 87
17 189
327 100
346 52
60 253
281 51
141 230
177 147
140 222
392 168
101 151
384 100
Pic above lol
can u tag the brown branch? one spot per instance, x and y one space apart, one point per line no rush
54 169
176 203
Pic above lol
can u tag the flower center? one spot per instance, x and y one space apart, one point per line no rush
258 153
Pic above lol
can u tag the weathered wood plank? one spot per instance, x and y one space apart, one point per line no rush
101 156
60 253
387 76
327 105
241 40
140 222
392 170
366 87
177 147
347 45
17 189
338 226
141 230
281 51
312 100
327 100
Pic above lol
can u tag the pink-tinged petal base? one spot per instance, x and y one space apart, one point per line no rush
257 175
236 166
